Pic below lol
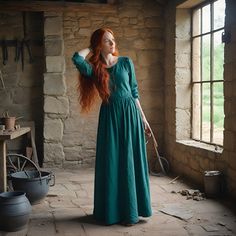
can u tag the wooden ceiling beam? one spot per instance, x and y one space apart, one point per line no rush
56 6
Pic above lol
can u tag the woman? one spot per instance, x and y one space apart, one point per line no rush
121 192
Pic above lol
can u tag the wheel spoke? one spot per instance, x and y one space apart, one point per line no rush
23 165
18 161
9 159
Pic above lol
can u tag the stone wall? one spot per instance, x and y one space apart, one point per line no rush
22 95
139 30
56 104
189 158
230 97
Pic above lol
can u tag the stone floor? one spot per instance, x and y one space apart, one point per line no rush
67 209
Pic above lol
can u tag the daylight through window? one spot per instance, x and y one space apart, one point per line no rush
207 72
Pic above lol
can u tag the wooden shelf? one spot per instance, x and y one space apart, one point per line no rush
6 135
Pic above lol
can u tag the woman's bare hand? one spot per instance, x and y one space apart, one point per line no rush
147 128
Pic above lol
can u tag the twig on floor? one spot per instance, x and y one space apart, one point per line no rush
173 180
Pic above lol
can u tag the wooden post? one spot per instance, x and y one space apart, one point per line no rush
3 170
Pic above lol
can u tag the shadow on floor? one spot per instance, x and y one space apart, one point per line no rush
89 219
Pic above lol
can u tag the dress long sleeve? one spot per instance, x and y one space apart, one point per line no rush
82 65
133 81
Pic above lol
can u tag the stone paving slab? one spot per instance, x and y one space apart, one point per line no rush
68 208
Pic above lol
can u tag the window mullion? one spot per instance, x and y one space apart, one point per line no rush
201 71
211 73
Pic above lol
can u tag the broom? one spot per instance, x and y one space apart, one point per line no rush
159 158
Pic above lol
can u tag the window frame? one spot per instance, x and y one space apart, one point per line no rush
211 82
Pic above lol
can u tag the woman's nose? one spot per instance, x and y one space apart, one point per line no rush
111 43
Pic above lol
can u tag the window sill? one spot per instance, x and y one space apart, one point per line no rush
192 143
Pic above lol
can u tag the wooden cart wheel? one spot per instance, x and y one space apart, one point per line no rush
18 162
15 163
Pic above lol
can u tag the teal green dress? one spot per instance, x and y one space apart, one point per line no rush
121 191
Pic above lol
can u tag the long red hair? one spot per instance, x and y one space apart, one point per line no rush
89 89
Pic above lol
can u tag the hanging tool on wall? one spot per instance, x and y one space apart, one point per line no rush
25 43
20 45
2 81
4 52
17 50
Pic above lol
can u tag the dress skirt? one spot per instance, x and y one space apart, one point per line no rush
122 191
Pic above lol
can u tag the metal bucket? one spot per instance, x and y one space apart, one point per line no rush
212 183
34 183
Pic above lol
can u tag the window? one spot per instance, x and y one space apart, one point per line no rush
207 72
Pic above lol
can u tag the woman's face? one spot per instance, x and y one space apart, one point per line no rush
108 43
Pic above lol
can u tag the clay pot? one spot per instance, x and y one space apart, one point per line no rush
15 210
10 123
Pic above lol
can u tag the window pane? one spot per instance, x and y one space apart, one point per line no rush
196 59
196 111
218 112
206 58
206 19
218 59
219 14
206 124
196 22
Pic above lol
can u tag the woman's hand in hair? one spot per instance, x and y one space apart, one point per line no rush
84 52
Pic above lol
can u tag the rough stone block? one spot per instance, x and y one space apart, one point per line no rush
229 140
73 153
229 71
148 58
228 89
129 53
128 12
59 105
153 22
53 26
194 164
150 11
73 139
231 160
55 64
53 152
54 47
182 76
183 23
148 101
234 88
150 73
26 95
85 32
182 60
89 153
183 96
53 130
84 22
124 21
53 14
133 20
183 117
112 19
129 32
73 125
149 43
54 84
183 46
230 56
